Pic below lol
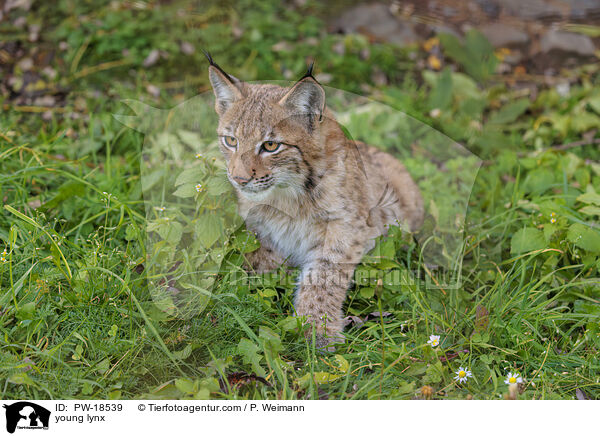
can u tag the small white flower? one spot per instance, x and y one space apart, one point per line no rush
463 374
198 156
512 379
198 187
563 89
434 340
435 113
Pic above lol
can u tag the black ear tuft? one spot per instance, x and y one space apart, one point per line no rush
309 72
208 56
214 64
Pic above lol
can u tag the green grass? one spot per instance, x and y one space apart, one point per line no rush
77 313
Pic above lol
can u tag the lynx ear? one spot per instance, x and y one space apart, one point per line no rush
227 88
306 97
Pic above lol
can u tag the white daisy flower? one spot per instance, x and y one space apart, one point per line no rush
198 187
434 340
512 379
463 374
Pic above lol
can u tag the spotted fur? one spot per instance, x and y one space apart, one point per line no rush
316 202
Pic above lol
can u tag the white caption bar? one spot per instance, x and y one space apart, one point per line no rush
155 417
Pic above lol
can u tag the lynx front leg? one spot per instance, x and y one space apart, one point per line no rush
323 285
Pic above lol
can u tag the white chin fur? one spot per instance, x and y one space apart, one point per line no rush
257 196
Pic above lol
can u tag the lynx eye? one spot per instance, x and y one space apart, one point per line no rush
270 146
230 141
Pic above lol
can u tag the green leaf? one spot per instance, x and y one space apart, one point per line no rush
209 229
527 239
405 388
590 210
367 292
131 232
185 385
584 237
590 197
476 55
21 378
66 191
539 180
480 338
441 95
171 232
103 366
26 311
191 175
288 324
465 87
114 395
510 112
320 377
249 352
343 363
218 185
434 373
270 339
190 138
113 330
584 121
184 353
245 241
186 191
595 103
202 394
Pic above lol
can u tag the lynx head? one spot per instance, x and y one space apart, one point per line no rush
268 134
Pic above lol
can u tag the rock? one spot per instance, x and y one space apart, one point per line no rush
531 9
186 48
46 100
25 64
20 22
514 57
324 77
152 58
575 43
339 48
504 35
582 9
442 28
489 7
376 20
281 46
153 90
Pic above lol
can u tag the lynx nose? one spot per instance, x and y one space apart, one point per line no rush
241 180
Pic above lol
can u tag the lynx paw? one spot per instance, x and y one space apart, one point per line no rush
326 337
262 261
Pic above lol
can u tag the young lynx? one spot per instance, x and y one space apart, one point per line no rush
315 198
